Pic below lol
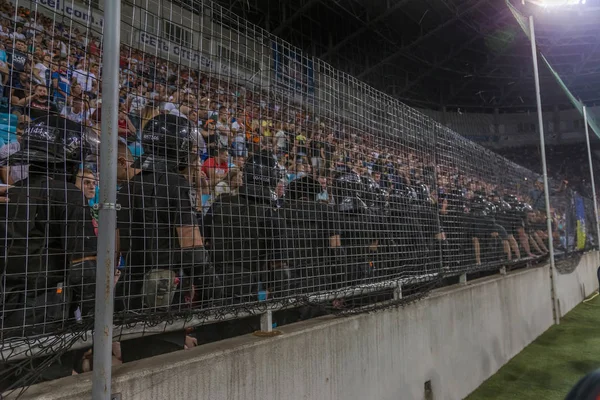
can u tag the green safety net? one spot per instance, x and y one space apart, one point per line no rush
524 23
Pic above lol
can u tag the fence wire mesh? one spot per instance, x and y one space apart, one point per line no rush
251 178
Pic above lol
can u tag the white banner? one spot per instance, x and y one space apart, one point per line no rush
181 53
80 13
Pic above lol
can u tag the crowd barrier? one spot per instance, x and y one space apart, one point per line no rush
251 178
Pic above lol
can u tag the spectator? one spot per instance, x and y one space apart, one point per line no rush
231 184
224 127
136 104
216 168
3 56
300 143
19 92
17 57
4 75
84 77
41 70
38 104
150 111
239 138
211 138
18 34
86 182
76 112
317 149
61 84
9 175
126 128
280 140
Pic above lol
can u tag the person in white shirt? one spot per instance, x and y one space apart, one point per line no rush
183 111
18 34
32 27
40 69
239 139
171 102
280 140
84 77
76 112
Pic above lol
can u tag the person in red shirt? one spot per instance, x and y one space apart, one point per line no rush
215 168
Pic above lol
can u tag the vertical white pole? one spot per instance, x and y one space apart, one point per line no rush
589 149
544 169
107 218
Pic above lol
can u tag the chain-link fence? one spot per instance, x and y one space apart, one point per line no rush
250 178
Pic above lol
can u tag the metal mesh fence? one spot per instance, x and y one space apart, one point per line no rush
251 178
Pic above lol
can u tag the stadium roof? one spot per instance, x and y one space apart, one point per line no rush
470 54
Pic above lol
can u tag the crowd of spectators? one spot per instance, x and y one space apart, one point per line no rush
47 66
52 66
567 162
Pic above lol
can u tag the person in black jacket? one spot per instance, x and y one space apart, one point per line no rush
314 234
48 256
247 236
157 223
361 230
47 226
168 269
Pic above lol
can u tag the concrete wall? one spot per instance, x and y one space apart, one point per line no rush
456 338
572 288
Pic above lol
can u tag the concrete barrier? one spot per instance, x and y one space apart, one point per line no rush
454 339
573 288
450 342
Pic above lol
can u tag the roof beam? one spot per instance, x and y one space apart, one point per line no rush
362 30
279 30
403 50
452 54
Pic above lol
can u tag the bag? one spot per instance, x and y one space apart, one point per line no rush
32 312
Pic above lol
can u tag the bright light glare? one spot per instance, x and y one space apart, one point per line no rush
556 3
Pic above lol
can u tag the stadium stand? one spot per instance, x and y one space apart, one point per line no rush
345 204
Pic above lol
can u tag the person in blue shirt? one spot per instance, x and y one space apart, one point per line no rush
61 83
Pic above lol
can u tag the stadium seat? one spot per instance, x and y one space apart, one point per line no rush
8 128
4 105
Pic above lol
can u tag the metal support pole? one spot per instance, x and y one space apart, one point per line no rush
103 323
589 149
266 321
398 292
544 170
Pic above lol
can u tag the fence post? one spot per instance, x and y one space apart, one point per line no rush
587 141
103 322
544 171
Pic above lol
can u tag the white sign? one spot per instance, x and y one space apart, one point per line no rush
168 47
77 12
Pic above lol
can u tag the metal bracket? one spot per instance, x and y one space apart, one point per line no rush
108 206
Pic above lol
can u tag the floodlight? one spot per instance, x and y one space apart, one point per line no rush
555 3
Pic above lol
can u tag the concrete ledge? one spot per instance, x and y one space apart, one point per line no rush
456 338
